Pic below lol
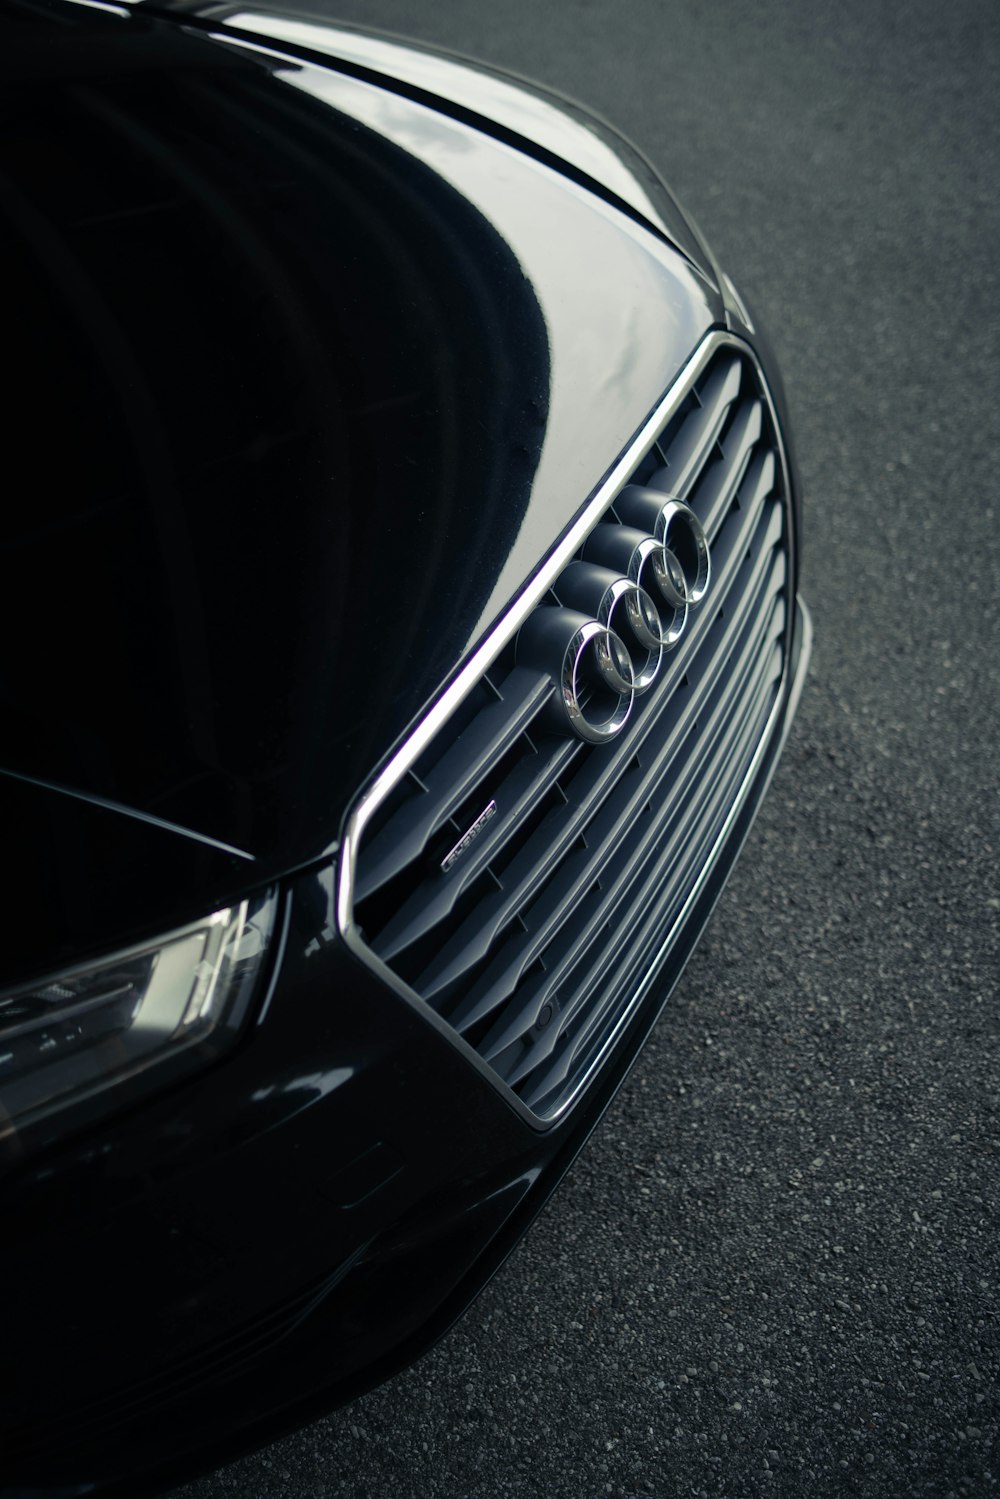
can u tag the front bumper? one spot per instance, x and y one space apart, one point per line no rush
248 1251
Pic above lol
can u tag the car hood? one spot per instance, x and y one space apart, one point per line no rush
310 376
536 120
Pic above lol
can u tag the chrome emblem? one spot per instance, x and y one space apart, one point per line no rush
468 837
622 607
685 549
598 682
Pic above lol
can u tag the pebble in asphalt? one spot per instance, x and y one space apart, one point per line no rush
775 1268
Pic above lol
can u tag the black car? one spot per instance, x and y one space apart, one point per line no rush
401 629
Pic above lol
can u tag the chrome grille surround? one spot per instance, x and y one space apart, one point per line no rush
739 716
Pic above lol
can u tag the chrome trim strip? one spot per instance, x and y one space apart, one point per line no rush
480 661
468 837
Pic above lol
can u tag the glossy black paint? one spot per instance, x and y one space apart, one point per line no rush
303 394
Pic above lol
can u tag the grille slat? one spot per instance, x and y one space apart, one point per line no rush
690 447
718 487
521 881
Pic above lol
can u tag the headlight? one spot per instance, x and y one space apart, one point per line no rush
81 1032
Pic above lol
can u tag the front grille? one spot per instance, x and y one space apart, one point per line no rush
522 882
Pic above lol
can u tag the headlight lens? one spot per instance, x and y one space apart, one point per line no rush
82 1031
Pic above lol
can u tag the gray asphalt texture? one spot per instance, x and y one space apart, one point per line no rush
775 1269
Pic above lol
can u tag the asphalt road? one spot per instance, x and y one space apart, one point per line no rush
775 1270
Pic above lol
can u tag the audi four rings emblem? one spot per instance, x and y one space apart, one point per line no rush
622 607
